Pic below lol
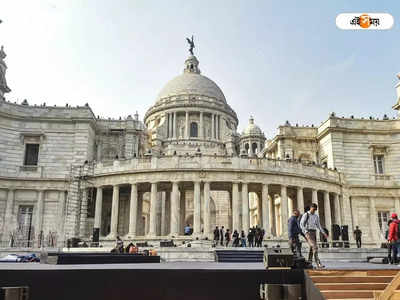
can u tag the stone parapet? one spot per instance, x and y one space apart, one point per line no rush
203 163
45 112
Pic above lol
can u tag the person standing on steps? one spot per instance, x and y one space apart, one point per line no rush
393 237
357 236
309 224
294 230
216 236
389 245
221 235
227 237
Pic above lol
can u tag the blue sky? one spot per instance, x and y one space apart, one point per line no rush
275 60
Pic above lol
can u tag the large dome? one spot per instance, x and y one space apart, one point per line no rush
191 91
192 84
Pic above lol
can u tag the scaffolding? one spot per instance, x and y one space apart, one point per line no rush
80 193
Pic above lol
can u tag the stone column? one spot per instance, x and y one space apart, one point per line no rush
174 135
265 211
182 210
347 212
259 209
245 208
300 199
284 211
327 212
290 206
235 207
163 214
187 129
315 196
98 208
39 212
62 200
175 210
338 215
83 219
114 212
133 211
271 215
153 210
201 133
167 229
9 220
373 221
251 154
217 127
140 222
171 125
168 122
212 126
197 209
207 217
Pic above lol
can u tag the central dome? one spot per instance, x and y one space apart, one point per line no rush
192 84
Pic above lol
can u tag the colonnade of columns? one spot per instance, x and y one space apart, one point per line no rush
172 126
240 211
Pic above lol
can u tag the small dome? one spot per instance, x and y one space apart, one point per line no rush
252 129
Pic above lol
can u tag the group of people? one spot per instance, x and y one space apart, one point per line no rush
306 226
253 238
119 247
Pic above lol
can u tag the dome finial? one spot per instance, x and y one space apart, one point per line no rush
192 65
251 120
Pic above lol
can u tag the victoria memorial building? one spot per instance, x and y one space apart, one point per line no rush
65 172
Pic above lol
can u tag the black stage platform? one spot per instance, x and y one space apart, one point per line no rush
98 258
145 281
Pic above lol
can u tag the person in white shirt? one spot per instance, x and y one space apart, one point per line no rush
309 224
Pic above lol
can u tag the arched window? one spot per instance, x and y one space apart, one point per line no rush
254 148
246 147
193 129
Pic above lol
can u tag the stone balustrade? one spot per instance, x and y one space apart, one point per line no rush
216 163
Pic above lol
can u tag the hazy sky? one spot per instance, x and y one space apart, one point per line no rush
275 60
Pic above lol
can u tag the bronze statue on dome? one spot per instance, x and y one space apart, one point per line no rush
3 67
191 44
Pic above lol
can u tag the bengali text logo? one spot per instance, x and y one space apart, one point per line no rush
363 21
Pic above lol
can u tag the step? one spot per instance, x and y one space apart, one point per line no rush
349 273
351 286
347 294
370 279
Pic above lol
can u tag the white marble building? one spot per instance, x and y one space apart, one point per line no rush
66 173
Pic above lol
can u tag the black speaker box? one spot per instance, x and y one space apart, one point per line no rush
335 232
345 233
274 258
96 235
166 244
337 244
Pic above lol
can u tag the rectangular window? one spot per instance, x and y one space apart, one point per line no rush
24 226
31 154
383 218
378 164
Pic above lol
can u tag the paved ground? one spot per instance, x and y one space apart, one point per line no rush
188 265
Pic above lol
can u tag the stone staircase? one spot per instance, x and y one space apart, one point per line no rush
360 284
239 256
